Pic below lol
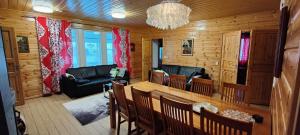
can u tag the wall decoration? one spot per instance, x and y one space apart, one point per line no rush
187 47
132 47
23 44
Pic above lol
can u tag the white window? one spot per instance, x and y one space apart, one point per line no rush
91 48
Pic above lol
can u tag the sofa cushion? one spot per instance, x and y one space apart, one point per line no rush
188 71
103 70
96 81
170 69
82 81
82 72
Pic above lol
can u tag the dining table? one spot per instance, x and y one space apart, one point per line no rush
158 90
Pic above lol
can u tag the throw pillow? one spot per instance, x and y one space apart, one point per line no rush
121 72
196 76
70 76
113 72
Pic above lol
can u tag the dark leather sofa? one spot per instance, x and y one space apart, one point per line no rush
88 80
189 72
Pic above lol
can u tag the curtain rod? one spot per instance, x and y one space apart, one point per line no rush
72 22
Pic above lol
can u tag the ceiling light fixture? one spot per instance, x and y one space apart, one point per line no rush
44 6
118 14
169 14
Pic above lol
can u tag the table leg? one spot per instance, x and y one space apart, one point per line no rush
103 88
112 109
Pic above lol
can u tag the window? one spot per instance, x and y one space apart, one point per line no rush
75 48
91 48
109 48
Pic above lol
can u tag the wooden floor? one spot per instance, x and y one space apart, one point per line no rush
47 116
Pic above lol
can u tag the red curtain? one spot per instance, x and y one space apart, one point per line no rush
122 48
54 39
245 42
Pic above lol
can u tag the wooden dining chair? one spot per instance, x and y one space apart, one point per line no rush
202 86
178 81
177 117
146 117
157 77
125 109
233 93
215 124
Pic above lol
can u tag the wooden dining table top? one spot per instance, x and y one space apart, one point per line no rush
182 95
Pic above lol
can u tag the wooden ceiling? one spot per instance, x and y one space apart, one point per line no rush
100 10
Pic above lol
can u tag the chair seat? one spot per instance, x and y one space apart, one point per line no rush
131 111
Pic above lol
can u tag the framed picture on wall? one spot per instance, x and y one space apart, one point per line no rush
23 44
187 47
132 47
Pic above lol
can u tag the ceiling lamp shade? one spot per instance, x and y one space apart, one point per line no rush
44 6
169 14
118 14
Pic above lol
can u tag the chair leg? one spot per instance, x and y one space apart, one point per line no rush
119 124
129 127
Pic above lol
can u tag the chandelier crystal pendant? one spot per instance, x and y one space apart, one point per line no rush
169 14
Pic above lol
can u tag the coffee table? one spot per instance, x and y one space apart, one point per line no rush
108 86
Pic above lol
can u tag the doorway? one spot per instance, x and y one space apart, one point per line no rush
243 58
12 63
157 53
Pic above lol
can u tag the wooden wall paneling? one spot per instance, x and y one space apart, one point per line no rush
29 63
286 89
136 38
207 36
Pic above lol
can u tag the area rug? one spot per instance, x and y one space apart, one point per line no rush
88 109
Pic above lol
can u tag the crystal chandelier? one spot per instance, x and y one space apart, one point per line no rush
169 14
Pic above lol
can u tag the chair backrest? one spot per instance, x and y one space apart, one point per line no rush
157 77
119 93
177 81
233 93
215 124
202 86
177 117
143 106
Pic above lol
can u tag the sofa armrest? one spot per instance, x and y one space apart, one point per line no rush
67 84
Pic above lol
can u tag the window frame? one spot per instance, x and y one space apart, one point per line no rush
80 40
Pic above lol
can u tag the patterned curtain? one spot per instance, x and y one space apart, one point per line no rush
55 49
122 48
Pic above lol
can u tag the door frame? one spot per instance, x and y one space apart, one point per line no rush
158 48
143 53
151 40
17 65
